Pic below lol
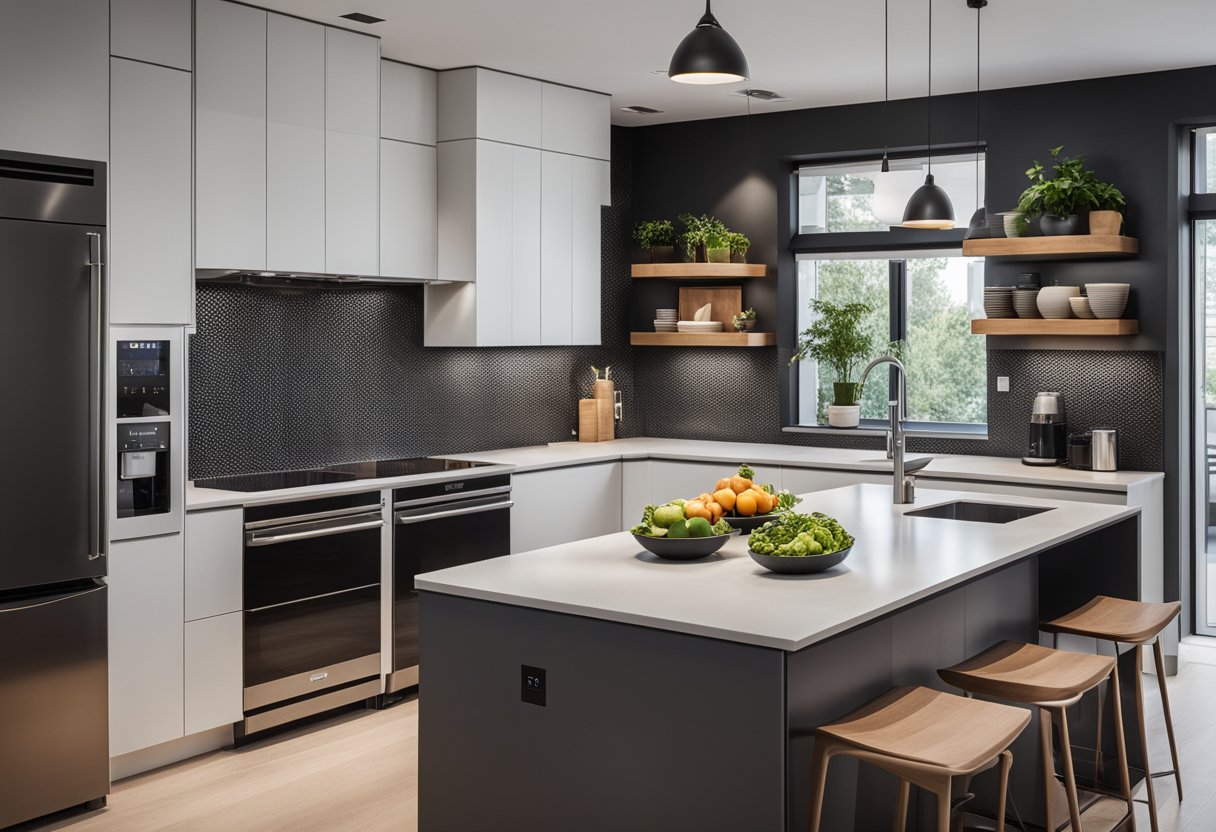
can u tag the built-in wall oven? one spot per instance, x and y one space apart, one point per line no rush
436 526
312 607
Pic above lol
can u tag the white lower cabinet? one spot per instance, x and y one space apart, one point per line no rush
684 480
213 672
561 505
807 480
146 642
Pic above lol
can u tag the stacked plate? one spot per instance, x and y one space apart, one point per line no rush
665 320
998 301
699 326
1025 303
1107 300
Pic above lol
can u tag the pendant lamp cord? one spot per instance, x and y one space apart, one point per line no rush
929 99
978 204
886 81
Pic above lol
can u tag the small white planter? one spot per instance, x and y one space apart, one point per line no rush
844 416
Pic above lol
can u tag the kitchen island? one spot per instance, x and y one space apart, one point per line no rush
593 686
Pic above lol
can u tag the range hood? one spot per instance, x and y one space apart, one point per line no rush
301 280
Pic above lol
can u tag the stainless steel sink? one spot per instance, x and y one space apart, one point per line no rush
977 512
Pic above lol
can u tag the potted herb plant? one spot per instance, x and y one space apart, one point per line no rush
717 246
657 238
1106 215
838 343
745 320
698 232
739 244
1063 200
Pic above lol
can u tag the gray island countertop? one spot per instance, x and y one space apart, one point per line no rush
896 561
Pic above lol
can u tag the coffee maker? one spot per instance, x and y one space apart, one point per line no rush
1048 431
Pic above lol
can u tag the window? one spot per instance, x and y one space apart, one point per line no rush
929 302
1205 161
856 197
926 298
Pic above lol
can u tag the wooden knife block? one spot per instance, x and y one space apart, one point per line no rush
595 422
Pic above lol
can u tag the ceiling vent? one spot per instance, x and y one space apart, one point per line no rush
638 109
763 95
360 17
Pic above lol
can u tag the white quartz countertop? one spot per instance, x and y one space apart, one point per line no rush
200 499
564 454
944 466
896 561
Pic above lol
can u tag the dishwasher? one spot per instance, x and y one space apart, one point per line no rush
437 526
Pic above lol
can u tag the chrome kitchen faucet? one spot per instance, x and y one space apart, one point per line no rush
902 486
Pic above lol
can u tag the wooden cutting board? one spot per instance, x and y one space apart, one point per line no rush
726 302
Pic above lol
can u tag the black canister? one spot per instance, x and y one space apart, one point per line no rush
1080 451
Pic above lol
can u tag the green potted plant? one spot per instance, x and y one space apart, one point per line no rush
697 235
838 343
657 238
1106 215
739 244
717 246
1061 200
745 320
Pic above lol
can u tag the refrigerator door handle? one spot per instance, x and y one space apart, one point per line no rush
27 604
96 397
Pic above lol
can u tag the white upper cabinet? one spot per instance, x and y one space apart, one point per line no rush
295 145
576 121
54 78
153 31
230 136
408 207
520 197
151 271
476 103
407 103
352 153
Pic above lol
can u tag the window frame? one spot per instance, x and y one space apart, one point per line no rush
875 245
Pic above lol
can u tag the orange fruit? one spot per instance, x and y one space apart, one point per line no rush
739 484
745 505
696 508
722 483
764 500
725 497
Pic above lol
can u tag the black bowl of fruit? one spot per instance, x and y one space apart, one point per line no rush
668 532
800 543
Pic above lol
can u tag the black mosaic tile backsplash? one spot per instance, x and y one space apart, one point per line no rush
295 379
732 395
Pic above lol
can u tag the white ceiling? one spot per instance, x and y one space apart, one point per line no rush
816 52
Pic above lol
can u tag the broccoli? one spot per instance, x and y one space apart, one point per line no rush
747 471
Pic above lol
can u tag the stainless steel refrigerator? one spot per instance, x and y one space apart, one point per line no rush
53 693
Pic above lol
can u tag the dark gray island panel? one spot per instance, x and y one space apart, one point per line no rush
642 729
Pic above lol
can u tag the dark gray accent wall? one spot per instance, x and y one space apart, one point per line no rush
741 169
283 379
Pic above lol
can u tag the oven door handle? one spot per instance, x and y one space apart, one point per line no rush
404 519
258 539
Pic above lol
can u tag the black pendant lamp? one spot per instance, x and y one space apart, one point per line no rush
930 206
708 55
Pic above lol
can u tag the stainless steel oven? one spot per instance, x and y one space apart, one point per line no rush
434 527
312 607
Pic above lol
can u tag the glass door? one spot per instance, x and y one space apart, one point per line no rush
1204 439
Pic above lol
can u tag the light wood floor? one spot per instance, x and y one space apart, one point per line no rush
359 771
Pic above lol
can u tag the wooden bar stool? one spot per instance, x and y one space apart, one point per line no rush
1131 622
924 737
1049 680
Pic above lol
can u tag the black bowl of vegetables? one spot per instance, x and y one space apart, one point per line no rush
800 543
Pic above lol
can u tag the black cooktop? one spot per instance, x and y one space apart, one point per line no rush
375 469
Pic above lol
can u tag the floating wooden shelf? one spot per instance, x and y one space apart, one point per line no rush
699 271
703 339
1055 326
1071 247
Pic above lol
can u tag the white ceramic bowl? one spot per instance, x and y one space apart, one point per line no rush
1024 303
1107 300
1080 307
1053 301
